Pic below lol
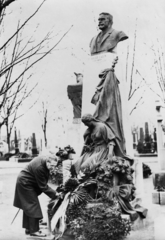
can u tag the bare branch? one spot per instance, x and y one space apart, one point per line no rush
127 62
137 104
5 4
133 62
25 22
147 84
40 58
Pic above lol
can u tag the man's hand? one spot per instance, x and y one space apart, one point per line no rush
60 195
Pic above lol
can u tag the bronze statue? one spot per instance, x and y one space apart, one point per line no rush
98 144
104 141
107 96
108 38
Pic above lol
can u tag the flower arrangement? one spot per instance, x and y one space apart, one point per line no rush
56 173
100 222
87 209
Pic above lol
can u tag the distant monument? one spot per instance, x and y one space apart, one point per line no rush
16 141
34 145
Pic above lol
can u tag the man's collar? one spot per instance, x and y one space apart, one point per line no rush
106 34
109 31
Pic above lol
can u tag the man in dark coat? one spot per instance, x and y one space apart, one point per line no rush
31 182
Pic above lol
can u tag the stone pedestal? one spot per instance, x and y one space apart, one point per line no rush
138 178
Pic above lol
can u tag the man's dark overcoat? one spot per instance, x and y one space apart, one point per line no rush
31 182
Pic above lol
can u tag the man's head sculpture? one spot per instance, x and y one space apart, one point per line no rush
105 21
87 119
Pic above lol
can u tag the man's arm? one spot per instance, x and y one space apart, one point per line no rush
42 182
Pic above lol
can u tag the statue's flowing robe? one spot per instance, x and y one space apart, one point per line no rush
97 140
109 109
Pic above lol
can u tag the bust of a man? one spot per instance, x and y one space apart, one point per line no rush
108 38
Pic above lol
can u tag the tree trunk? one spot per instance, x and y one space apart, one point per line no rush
8 140
45 138
44 127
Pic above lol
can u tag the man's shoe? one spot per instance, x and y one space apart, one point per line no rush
38 234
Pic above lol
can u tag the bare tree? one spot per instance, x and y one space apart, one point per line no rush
12 100
46 114
132 77
24 50
18 56
159 66
3 5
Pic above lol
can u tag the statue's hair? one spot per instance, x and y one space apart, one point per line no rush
88 118
109 15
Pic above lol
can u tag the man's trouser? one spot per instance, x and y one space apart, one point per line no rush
32 224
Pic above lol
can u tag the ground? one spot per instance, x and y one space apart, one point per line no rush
154 226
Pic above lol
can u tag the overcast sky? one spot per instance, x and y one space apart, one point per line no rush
55 72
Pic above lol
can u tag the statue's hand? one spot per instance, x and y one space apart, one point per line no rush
111 153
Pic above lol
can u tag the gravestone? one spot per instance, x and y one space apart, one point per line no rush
16 142
34 146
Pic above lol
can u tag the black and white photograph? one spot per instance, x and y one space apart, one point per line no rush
82 120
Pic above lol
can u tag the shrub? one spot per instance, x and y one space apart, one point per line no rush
100 222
